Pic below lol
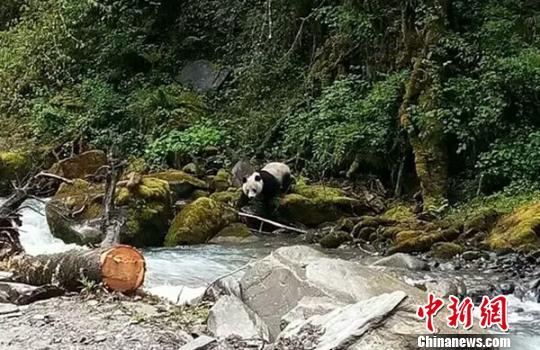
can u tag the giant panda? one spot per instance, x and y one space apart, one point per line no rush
274 178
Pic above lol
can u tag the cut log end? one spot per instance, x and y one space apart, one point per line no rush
122 268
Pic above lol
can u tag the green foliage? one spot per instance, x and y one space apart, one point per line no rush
189 143
351 117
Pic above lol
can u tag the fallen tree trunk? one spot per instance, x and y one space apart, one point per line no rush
120 268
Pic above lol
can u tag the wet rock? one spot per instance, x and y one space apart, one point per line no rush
346 324
334 239
193 169
181 184
202 342
203 75
234 233
402 261
230 316
506 288
442 289
199 222
313 205
519 229
446 250
144 209
418 241
471 255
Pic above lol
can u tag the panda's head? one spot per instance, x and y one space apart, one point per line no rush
252 185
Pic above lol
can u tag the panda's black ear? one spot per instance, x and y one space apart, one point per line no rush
244 179
257 178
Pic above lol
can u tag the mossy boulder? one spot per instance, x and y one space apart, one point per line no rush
181 184
79 166
229 197
13 166
446 250
199 221
519 229
145 209
234 233
314 204
483 221
221 181
334 239
399 211
421 241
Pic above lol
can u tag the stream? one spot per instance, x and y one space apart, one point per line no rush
197 266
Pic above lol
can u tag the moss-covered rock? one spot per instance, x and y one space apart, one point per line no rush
229 197
421 241
483 221
181 184
13 166
79 166
315 204
399 211
335 239
199 222
145 210
221 181
446 250
234 233
519 229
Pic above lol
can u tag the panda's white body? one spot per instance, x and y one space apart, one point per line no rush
272 179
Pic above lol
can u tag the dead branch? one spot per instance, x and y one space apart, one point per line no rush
54 176
274 223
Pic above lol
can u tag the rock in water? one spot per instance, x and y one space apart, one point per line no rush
201 343
344 325
230 317
198 222
402 261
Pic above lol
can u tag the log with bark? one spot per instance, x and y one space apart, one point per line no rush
120 268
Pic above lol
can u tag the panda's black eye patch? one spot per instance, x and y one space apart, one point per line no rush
257 178
244 179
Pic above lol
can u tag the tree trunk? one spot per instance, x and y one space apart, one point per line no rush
120 268
427 141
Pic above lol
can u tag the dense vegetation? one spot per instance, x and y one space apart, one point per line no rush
439 93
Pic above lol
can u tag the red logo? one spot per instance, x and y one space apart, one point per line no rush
492 312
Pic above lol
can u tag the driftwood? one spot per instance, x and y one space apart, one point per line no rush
120 268
274 223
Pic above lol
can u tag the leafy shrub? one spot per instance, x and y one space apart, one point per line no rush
188 143
350 118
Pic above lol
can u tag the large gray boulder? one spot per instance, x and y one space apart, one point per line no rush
341 327
231 317
277 284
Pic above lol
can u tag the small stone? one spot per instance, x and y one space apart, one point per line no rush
403 261
199 343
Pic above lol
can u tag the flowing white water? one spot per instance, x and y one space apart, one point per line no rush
196 266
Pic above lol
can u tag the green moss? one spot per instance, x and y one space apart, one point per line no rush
181 184
14 166
199 193
77 167
419 241
229 197
518 229
198 222
149 189
221 181
399 211
446 250
315 204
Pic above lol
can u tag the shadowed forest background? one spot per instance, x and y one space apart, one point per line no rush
436 96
